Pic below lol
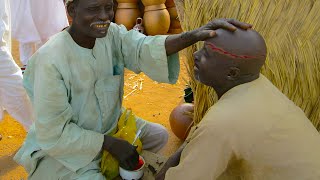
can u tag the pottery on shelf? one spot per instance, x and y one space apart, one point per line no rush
169 3
175 26
152 2
156 17
127 12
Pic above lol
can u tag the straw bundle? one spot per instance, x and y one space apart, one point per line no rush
291 29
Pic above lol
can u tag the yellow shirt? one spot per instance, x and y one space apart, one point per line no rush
253 132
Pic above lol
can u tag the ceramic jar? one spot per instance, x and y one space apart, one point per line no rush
127 12
156 17
181 120
169 3
175 26
128 1
152 2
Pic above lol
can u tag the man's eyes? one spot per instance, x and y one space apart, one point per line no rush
109 7
93 8
98 8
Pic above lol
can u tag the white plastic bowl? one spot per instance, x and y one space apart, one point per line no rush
132 175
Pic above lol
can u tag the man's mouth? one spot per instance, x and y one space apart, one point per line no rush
101 25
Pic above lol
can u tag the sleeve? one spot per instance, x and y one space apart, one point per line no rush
206 156
146 54
56 133
4 26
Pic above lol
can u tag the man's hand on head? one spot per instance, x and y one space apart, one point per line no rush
207 31
175 43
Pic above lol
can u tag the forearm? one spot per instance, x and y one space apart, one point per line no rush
172 162
177 42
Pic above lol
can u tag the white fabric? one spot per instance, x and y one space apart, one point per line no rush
26 51
35 21
13 96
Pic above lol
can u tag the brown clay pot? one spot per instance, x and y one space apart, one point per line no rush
173 12
128 1
180 121
152 2
175 31
126 14
175 24
156 19
170 3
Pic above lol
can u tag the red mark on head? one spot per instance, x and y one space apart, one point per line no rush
222 51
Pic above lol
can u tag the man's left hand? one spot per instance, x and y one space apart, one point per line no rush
175 43
207 31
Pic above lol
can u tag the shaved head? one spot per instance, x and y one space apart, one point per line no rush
245 48
230 58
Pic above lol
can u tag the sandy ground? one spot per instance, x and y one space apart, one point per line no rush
148 99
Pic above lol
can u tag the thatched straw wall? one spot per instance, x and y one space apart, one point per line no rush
292 32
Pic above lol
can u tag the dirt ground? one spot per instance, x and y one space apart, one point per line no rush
148 99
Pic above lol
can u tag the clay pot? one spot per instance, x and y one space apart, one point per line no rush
173 12
126 14
156 19
175 24
128 1
180 121
170 3
152 2
175 31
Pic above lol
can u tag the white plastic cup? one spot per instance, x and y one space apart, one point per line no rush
132 175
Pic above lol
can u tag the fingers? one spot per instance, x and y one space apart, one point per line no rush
221 23
131 161
130 164
239 24
206 34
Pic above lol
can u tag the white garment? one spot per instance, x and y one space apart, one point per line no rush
13 96
26 50
34 22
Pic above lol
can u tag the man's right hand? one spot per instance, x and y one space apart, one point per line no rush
123 151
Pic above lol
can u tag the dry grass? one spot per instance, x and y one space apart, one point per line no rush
291 29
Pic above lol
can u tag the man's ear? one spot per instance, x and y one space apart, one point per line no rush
71 9
233 74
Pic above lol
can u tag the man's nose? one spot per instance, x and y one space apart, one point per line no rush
103 15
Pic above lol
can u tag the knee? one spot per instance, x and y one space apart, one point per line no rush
155 138
164 135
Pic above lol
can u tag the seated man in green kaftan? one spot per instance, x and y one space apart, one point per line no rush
75 82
